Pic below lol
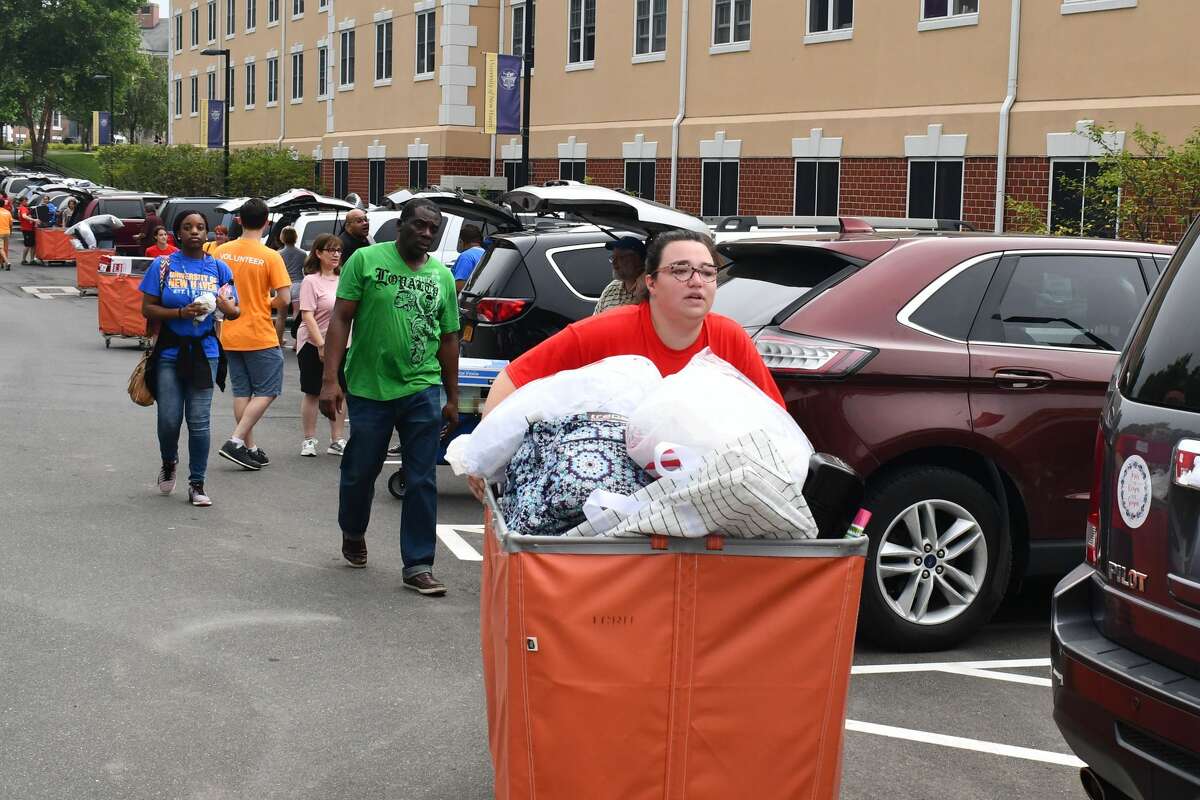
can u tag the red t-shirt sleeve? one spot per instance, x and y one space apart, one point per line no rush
561 351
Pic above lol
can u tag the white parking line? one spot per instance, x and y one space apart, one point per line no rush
978 745
50 292
996 675
935 666
456 544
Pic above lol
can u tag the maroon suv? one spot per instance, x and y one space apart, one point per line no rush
962 376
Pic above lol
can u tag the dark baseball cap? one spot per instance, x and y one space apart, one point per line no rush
631 243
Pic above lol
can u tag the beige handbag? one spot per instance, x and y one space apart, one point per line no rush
139 391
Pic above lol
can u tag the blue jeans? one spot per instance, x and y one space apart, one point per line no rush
418 420
175 399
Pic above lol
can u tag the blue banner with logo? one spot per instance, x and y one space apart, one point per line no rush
508 94
104 127
216 123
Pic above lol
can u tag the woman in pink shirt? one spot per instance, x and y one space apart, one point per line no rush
317 294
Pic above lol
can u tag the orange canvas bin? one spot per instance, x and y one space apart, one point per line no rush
665 668
87 264
52 244
120 306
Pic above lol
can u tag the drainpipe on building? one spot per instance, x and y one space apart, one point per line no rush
683 50
1014 48
284 58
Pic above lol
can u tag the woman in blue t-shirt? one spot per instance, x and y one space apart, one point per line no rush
180 292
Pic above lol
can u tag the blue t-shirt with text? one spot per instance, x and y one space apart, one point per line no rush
464 265
187 279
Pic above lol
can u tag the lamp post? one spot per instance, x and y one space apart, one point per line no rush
112 118
224 53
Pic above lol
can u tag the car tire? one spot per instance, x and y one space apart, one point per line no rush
963 545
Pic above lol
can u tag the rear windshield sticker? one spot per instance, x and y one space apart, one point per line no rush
1133 491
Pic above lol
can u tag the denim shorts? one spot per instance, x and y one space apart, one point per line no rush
256 373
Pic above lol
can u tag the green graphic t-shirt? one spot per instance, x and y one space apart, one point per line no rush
401 317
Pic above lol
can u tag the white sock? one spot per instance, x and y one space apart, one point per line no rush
237 441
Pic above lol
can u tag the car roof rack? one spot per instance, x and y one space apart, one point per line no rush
742 223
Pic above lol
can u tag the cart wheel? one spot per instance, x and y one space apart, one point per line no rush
396 484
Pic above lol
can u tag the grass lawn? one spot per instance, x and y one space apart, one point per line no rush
75 164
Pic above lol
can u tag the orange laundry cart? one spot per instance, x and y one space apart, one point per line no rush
52 244
120 308
664 669
87 264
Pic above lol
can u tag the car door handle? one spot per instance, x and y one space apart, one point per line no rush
1022 379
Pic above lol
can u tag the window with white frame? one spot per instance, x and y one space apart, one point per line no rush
341 177
940 9
322 72
376 170
194 108
272 12
212 85
346 60
1080 205
297 77
322 5
817 187
581 32
650 27
230 18
195 15
719 187
830 15
251 15
251 77
572 169
518 29
640 175
297 9
212 20
56 120
179 32
731 22
1082 6
178 98
418 173
383 50
272 81
426 42
230 89
935 188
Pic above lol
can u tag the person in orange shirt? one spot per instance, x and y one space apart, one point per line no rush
221 236
162 245
28 222
253 342
5 231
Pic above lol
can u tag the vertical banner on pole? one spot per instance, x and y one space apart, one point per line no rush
490 82
95 129
502 94
104 127
216 123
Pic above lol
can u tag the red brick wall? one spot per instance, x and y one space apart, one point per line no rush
458 166
687 196
1028 179
766 186
874 187
979 193
607 172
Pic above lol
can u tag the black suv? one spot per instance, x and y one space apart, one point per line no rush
207 206
1126 624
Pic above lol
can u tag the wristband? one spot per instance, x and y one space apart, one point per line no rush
180 315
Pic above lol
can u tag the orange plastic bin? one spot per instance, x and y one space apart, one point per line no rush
52 244
87 264
120 308
710 668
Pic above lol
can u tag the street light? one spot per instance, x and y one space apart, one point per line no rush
224 53
112 119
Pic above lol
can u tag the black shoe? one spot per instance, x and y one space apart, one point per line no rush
426 584
238 454
259 455
355 552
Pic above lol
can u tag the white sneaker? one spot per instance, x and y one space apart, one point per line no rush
309 448
337 448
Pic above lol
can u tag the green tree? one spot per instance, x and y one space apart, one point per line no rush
142 102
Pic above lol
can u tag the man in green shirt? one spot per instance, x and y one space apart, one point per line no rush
404 310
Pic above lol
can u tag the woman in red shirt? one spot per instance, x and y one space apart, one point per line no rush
28 223
668 328
161 246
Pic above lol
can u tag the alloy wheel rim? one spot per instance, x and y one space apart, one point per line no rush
932 562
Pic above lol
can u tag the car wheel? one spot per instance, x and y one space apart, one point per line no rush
938 563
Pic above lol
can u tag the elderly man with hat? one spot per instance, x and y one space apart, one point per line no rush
628 262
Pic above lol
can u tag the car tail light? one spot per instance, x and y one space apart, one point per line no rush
1187 464
495 309
1092 535
792 354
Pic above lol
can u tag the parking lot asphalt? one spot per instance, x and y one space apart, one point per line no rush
149 649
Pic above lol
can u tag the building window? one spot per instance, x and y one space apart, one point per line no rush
212 20
375 187
297 77
1079 205
581 32
650 27
639 178
212 85
731 22
178 97
425 42
817 188
251 14
830 15
318 175
230 89
1083 6
56 120
322 72
251 69
572 170
195 86
383 50
518 29
346 64
179 32
938 9
272 12
514 174
230 18
341 178
418 173
297 9
719 188
195 14
322 5
272 81
935 189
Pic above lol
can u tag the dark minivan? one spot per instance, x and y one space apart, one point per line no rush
1126 623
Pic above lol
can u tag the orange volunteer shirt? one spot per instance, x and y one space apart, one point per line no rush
5 222
257 269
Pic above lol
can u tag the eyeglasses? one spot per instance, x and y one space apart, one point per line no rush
682 271
331 250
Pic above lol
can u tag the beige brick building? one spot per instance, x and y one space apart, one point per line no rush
890 107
